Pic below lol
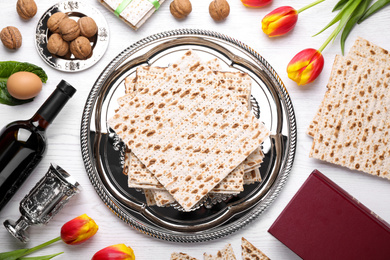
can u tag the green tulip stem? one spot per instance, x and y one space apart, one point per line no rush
35 248
310 5
331 36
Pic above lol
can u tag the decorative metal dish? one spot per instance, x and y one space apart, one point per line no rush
102 158
75 10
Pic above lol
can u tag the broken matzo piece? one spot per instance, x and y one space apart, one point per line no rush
250 252
226 253
181 256
252 176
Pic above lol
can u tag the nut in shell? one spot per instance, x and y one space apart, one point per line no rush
81 47
55 20
11 37
69 29
57 46
219 9
26 8
180 8
88 27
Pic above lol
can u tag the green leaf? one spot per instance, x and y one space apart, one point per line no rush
7 68
44 257
13 255
344 17
339 5
356 15
378 5
345 10
18 254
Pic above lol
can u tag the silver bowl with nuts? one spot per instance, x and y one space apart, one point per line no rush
71 36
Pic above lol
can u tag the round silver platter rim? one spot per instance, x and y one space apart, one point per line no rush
217 232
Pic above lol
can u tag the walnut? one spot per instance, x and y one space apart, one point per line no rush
11 37
81 47
219 9
57 46
180 8
54 21
88 27
26 8
69 29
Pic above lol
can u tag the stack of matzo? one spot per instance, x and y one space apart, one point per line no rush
188 132
352 125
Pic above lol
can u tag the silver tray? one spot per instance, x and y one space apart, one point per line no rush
103 154
75 10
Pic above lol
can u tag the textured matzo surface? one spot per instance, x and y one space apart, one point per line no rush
226 253
174 120
362 50
356 133
181 256
238 83
250 252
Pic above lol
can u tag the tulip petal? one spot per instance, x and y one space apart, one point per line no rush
78 230
115 252
255 3
306 66
280 21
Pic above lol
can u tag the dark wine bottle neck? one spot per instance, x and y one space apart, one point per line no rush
54 104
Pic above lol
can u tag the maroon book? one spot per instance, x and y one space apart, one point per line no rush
322 221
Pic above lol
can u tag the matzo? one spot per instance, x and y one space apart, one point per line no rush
362 50
150 201
181 256
369 51
250 252
140 177
358 138
167 121
252 177
238 83
226 253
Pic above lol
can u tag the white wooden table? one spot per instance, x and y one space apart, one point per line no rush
243 24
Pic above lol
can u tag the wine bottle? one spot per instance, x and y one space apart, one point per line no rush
23 143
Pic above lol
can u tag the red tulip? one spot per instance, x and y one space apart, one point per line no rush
279 21
115 252
78 230
305 66
255 3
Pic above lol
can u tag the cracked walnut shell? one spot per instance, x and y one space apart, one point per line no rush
219 9
26 8
180 8
81 47
11 37
55 20
69 29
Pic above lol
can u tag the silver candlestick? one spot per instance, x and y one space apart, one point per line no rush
44 201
